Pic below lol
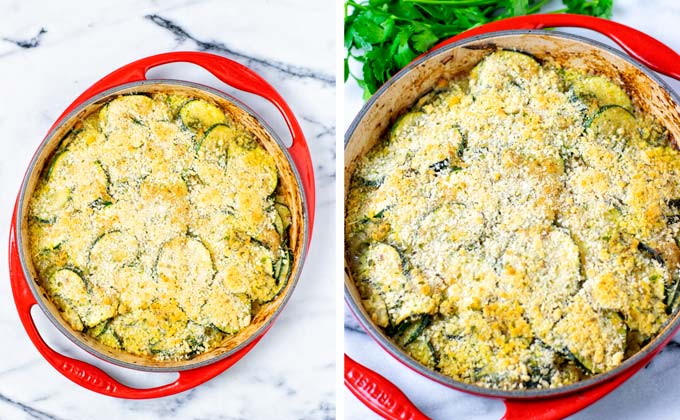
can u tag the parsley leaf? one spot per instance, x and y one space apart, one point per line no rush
383 36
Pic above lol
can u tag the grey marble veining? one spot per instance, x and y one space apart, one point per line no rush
49 53
653 393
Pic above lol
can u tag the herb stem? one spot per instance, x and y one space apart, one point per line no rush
537 7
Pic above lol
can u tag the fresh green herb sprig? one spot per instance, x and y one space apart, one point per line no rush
385 35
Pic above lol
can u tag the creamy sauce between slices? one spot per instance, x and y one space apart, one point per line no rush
517 228
158 226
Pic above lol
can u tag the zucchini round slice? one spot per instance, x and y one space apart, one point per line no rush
227 312
255 168
409 331
186 266
98 329
108 253
452 224
68 291
200 115
278 224
502 67
145 331
613 120
383 267
423 351
126 107
74 296
124 120
282 271
214 146
49 202
58 165
576 330
262 283
284 213
605 91
404 125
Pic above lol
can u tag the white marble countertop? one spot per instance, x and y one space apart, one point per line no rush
49 53
653 393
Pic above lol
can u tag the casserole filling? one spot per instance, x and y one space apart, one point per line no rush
158 226
517 228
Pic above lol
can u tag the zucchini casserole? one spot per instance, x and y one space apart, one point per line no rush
158 227
517 227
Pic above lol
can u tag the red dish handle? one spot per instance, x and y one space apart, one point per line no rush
378 393
233 74
388 401
647 50
91 377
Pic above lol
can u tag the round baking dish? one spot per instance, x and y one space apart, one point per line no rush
296 180
457 56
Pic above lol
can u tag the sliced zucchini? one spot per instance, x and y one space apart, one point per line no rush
214 146
370 181
271 271
200 115
375 306
59 161
613 120
124 119
376 165
226 311
98 329
585 358
185 266
285 215
605 91
123 110
73 294
110 338
109 252
574 333
423 352
68 291
381 265
50 200
256 168
278 224
498 69
174 103
283 273
452 225
150 331
412 330
69 284
404 124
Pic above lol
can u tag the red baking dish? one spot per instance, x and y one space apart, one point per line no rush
459 54
297 161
